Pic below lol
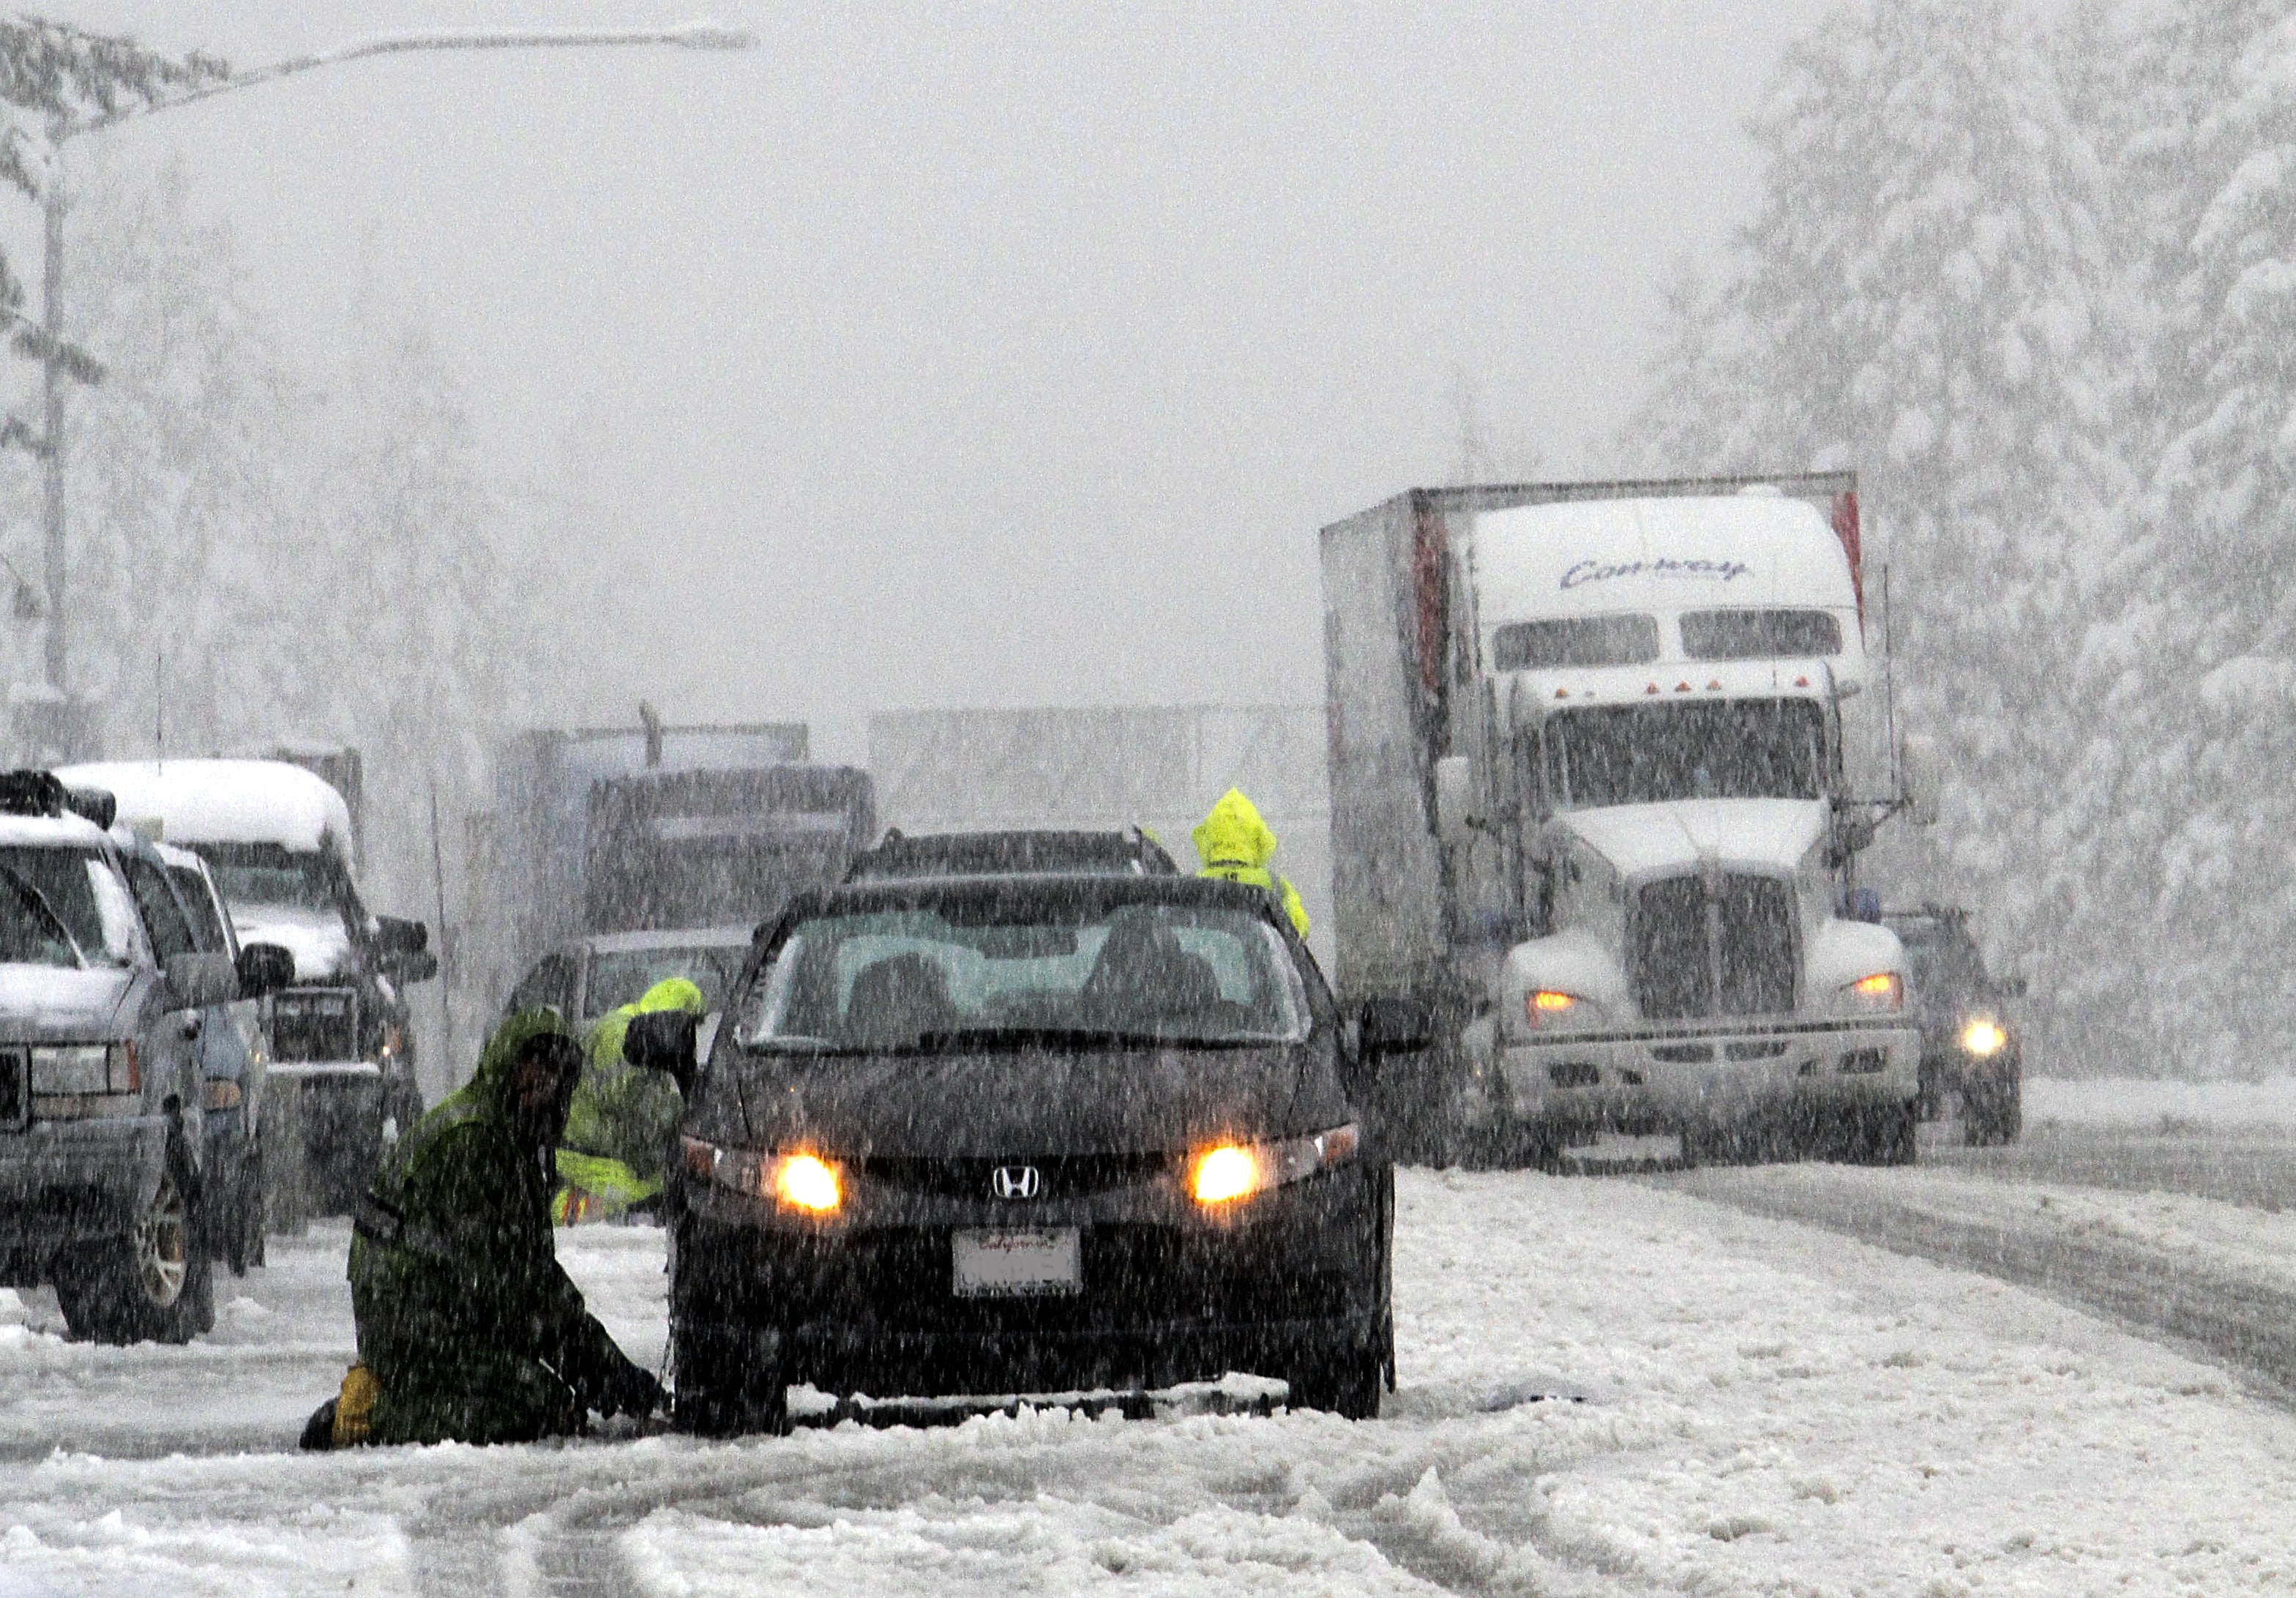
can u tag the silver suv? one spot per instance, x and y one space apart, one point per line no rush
104 1172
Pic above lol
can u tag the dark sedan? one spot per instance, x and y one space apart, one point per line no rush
1028 1134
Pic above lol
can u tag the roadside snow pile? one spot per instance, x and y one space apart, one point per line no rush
2158 1105
1607 1388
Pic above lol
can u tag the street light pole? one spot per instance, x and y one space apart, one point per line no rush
692 35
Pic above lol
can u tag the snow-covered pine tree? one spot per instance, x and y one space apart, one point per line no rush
2201 656
1928 293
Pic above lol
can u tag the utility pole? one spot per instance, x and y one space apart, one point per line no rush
52 437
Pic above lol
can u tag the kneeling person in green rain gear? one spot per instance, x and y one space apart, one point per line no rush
1235 844
610 1156
469 1330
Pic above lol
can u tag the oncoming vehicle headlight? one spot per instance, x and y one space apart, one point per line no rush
1881 993
1984 1037
799 1181
1230 1171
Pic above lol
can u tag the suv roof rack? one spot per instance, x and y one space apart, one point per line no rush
33 792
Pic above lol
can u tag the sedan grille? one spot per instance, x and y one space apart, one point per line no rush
1059 1176
1718 945
314 1023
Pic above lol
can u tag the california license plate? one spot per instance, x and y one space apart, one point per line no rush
1016 1264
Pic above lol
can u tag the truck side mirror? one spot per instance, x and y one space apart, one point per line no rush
663 1040
1917 776
264 968
1393 1027
396 935
1454 800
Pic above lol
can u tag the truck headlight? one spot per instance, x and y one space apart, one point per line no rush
1883 993
86 1068
1236 1170
1546 1008
1984 1037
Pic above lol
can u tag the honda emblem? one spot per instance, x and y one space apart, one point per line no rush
1016 1181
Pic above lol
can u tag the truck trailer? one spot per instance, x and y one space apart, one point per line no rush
1591 807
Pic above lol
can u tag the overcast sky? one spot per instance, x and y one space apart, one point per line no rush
995 356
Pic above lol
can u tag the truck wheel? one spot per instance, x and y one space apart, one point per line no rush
1992 1118
1344 1378
723 1389
1886 1135
154 1285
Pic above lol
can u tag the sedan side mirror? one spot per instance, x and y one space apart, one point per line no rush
663 1040
1393 1027
264 968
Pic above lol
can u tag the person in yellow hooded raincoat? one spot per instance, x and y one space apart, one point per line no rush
611 1155
1235 844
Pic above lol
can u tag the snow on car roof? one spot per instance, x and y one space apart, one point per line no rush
224 801
48 831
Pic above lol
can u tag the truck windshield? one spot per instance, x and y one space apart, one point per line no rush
1649 754
914 980
268 875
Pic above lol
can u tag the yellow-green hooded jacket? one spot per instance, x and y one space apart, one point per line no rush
1235 844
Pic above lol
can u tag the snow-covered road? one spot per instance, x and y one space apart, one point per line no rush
1760 1407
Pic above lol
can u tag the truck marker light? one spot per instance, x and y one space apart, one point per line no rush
1715 686
1983 1037
1801 681
1682 687
1883 991
1652 689
1562 693
1544 1006
1224 1173
807 1182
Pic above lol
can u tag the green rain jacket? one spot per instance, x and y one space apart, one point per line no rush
1235 844
467 1321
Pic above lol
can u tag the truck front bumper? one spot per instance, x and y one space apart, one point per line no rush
1712 1078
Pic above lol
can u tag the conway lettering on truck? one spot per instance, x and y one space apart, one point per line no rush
1591 807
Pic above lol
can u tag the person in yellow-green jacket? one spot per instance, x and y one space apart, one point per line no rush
611 1157
1235 844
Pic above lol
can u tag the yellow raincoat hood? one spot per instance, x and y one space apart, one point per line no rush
1234 834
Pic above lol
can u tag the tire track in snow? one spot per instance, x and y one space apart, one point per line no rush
2247 1324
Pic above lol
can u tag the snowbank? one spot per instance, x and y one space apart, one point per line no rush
2132 1102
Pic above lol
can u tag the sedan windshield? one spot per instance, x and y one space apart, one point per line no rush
1649 754
1005 974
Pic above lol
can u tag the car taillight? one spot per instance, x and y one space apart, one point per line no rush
799 1181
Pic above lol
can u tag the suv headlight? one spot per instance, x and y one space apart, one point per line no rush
1883 993
86 1068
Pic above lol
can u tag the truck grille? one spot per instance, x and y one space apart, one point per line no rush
314 1023
1712 945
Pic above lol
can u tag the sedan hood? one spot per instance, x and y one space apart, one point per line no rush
48 1004
1022 1102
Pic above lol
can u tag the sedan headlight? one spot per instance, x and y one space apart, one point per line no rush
797 1180
1883 993
1230 1171
86 1068
1984 1037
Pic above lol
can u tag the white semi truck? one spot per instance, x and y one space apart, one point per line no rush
1590 806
